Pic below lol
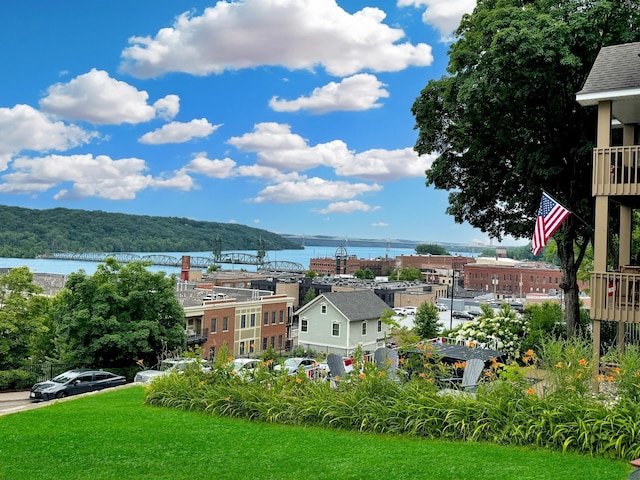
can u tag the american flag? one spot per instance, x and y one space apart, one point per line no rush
550 217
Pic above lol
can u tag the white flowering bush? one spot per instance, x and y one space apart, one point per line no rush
505 332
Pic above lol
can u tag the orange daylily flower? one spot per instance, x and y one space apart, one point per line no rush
559 365
529 353
298 380
599 377
421 375
609 378
530 391
362 375
381 374
582 361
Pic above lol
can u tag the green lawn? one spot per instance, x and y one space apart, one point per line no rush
114 436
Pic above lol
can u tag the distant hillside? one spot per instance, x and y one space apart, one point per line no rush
25 233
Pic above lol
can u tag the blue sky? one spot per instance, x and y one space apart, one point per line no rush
287 115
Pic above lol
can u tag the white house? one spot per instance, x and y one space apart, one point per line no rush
338 322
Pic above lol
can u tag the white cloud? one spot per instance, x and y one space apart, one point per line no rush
211 168
178 132
443 15
386 165
89 176
276 147
348 207
359 92
97 98
292 33
313 189
25 128
380 224
268 173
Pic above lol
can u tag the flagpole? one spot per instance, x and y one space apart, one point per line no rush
572 213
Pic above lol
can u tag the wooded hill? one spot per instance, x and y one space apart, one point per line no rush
25 233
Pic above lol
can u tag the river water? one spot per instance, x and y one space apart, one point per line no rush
65 267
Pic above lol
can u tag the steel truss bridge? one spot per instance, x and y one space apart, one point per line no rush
169 261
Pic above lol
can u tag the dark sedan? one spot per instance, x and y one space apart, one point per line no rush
74 382
461 314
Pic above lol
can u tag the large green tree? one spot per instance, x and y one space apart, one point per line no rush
505 124
118 315
21 316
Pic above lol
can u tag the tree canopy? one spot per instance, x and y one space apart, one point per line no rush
432 249
117 316
426 321
28 232
505 123
21 315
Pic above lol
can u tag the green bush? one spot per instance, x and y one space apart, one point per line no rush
17 379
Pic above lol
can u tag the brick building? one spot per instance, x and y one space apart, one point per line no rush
517 279
247 321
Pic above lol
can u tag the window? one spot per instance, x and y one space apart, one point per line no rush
279 341
212 353
266 318
241 348
304 325
252 322
243 321
225 324
379 326
335 329
273 317
323 309
273 341
214 325
264 343
281 316
251 346
364 327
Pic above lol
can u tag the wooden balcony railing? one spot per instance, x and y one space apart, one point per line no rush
616 171
616 296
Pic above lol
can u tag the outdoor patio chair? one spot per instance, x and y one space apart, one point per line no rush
468 383
386 359
336 369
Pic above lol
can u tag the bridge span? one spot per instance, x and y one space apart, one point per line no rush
234 258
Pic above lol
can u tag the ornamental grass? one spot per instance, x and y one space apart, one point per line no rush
506 409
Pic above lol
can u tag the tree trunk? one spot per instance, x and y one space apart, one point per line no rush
569 284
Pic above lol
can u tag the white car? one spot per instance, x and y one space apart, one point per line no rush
399 311
291 365
244 367
441 307
170 365
410 310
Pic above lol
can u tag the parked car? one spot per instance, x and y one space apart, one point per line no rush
399 311
475 312
441 307
73 382
292 365
244 367
169 365
461 314
410 310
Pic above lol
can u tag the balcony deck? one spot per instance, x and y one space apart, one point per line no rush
615 296
616 171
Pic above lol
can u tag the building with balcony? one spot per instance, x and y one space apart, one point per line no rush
613 86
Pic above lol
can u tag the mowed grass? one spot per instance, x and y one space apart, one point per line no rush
112 435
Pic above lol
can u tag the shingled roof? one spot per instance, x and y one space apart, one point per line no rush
357 304
615 75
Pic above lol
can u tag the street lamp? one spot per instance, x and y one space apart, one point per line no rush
494 280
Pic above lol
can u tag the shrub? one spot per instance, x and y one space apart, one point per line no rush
17 379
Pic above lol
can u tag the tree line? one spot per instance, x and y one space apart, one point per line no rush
26 233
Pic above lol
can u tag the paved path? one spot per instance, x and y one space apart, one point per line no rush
12 402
